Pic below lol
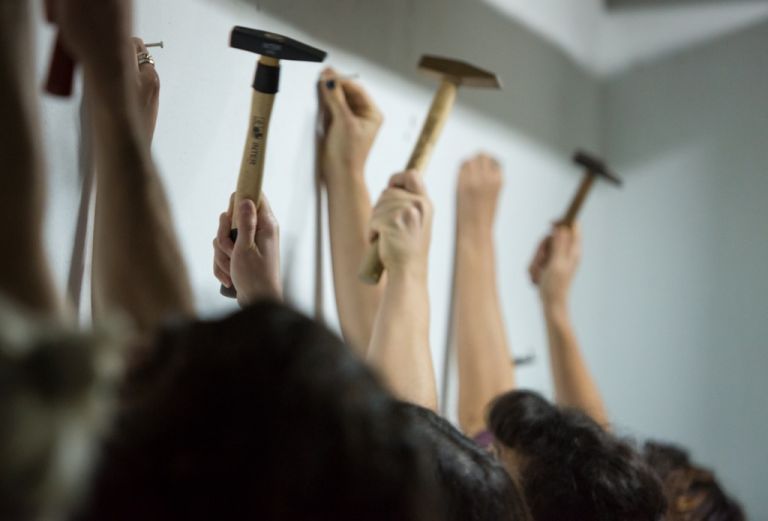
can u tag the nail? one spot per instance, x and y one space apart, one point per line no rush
157 44
330 84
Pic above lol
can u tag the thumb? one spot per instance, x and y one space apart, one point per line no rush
559 241
246 225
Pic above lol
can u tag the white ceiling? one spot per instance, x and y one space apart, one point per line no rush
608 42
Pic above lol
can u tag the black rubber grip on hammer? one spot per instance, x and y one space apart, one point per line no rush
267 79
230 292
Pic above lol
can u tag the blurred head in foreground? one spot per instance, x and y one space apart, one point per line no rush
56 397
261 415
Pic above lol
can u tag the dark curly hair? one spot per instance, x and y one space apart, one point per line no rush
693 493
262 415
573 470
475 486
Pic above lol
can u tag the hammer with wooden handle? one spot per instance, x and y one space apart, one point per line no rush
272 48
453 74
594 168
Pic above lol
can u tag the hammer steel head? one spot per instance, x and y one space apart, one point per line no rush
274 45
595 166
459 72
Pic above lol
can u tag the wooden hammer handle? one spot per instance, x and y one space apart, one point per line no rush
251 176
372 268
578 200
441 108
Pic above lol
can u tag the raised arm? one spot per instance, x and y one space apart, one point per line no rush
24 272
352 122
485 368
400 347
138 267
552 270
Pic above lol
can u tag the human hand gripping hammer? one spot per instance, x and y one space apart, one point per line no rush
272 48
453 74
594 168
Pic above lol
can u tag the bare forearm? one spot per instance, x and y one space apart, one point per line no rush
574 385
400 348
24 271
485 368
138 266
349 214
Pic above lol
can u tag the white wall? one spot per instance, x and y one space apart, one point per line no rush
549 107
670 302
681 311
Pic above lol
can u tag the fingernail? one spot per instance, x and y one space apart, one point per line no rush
330 84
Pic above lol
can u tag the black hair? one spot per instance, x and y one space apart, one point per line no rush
572 468
693 492
262 415
474 485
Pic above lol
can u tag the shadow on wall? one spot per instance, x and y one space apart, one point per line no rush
706 95
689 251
547 96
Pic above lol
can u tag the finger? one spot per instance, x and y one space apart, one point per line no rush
559 242
358 100
246 225
224 234
148 76
466 167
576 240
397 197
222 261
333 94
267 231
222 277
385 208
539 259
231 207
396 215
138 45
540 251
410 181
535 273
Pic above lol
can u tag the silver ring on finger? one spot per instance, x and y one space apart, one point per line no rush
145 58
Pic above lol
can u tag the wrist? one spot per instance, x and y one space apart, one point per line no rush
248 296
344 177
473 234
409 272
555 308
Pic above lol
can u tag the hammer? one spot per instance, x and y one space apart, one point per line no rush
594 168
453 74
272 48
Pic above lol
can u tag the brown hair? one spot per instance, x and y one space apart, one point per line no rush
573 469
693 493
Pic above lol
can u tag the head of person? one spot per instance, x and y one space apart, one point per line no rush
474 486
693 493
261 415
569 467
56 394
